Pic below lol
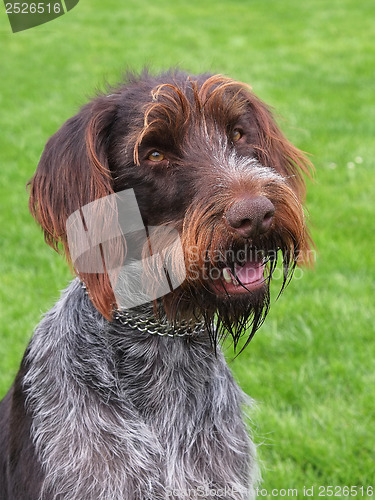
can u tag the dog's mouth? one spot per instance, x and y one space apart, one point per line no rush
244 276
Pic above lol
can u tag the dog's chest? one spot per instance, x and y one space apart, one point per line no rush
120 415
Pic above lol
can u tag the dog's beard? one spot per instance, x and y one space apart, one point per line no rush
234 316
227 314
222 315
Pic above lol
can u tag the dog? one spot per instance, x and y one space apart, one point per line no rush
123 392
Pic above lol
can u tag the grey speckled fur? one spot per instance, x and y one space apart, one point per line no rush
122 415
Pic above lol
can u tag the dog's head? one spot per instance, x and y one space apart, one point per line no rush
205 159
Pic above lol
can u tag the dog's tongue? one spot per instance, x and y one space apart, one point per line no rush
250 272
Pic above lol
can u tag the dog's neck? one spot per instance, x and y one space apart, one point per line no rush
143 319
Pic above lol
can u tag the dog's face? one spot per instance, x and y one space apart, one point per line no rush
203 155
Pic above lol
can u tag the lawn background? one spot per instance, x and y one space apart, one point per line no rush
311 367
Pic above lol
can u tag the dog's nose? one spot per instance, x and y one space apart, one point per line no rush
250 216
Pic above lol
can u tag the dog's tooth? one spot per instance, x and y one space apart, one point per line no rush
227 275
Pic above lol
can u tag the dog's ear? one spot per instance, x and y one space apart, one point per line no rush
72 172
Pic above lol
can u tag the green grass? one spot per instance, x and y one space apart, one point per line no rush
311 367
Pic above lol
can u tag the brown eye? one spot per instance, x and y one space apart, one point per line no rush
236 135
156 156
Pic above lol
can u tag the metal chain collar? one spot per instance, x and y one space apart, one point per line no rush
147 323
158 327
